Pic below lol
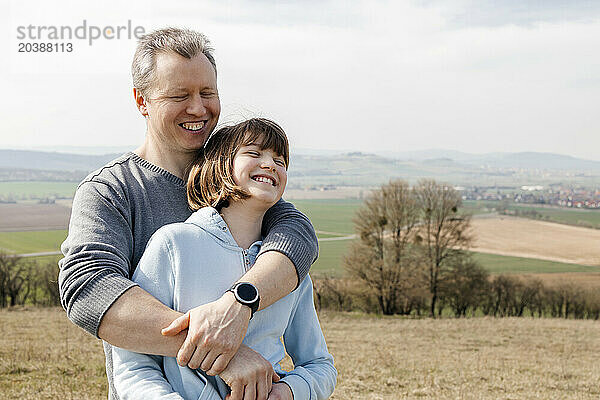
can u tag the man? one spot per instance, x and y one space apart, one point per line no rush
117 208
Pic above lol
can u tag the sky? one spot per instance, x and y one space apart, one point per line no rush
374 76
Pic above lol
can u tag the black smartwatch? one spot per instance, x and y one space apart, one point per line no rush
247 294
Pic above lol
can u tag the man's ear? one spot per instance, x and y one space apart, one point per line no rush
140 102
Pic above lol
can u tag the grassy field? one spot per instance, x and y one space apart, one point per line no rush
478 207
34 189
42 355
330 258
330 215
496 264
32 242
331 255
567 216
570 216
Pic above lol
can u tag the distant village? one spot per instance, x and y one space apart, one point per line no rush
552 195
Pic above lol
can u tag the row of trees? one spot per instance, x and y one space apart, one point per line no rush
500 296
27 282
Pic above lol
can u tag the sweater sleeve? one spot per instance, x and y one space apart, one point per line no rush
314 375
288 231
95 269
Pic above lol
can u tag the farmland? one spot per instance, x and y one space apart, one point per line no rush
33 217
43 355
569 216
564 216
330 215
497 264
536 239
35 189
522 246
32 241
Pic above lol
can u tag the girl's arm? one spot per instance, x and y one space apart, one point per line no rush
314 375
139 375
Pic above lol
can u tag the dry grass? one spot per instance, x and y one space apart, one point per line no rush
582 280
536 239
43 356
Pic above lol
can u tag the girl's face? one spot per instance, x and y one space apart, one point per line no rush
261 173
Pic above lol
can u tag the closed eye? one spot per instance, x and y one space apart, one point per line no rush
280 162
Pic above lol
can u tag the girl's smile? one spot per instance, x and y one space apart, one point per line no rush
260 172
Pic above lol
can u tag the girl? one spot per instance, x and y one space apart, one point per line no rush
242 174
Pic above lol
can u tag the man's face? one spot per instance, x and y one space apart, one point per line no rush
183 103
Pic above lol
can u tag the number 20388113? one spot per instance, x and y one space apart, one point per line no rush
25 47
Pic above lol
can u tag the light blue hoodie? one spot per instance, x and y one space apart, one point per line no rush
194 262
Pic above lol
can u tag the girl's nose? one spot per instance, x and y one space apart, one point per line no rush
268 163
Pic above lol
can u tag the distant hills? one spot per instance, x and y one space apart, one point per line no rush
26 159
356 168
529 160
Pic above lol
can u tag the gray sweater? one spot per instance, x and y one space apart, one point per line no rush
115 211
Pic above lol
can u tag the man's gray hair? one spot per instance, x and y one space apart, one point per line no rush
185 42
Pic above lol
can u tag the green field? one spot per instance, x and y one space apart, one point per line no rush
478 207
333 215
496 264
330 258
35 189
32 242
570 216
330 216
567 216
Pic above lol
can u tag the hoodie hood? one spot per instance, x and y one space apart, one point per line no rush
208 219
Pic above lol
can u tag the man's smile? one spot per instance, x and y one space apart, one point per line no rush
192 126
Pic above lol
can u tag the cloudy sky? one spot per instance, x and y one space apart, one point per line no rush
475 76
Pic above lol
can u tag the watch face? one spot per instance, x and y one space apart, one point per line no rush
247 292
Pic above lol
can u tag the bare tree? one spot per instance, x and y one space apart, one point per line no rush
442 231
464 286
382 256
14 275
47 281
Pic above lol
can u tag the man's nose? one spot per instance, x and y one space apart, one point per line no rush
196 106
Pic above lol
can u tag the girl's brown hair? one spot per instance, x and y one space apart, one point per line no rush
210 179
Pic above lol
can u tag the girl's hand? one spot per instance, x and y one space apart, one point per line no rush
281 391
249 376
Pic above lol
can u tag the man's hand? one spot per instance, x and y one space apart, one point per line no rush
281 391
215 332
249 375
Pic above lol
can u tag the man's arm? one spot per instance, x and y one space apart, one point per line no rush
94 279
289 232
